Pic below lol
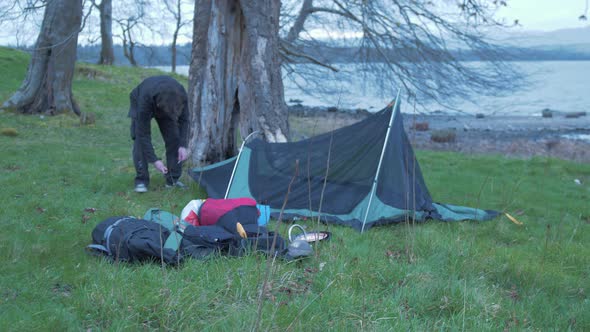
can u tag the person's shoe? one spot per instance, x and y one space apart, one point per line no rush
176 184
140 188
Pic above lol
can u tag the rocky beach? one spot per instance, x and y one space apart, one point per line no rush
556 134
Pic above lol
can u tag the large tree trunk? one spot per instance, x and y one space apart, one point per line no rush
47 87
107 54
235 77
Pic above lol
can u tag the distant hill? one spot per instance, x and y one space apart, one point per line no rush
521 45
145 55
556 38
563 44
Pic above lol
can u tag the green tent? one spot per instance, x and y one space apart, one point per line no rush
361 175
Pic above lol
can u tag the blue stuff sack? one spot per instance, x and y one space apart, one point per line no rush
264 216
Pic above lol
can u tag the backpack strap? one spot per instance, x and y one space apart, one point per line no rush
106 249
166 219
109 231
173 241
171 222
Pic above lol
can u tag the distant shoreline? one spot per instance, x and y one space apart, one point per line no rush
519 136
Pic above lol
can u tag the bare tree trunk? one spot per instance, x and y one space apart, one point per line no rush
174 7
107 54
173 48
129 52
178 16
304 12
127 26
235 76
47 87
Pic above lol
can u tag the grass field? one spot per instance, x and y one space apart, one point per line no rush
471 276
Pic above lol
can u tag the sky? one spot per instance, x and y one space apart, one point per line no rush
546 15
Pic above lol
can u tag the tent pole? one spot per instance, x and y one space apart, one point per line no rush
374 186
231 178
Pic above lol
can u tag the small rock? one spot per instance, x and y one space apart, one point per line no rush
296 101
479 116
443 136
362 111
332 109
420 126
547 113
550 144
574 114
87 118
9 132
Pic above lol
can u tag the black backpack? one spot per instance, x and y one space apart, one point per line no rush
161 236
129 239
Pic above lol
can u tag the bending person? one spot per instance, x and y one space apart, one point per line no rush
164 99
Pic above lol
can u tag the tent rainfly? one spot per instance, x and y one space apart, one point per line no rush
361 175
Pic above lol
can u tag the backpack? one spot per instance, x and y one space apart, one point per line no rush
221 237
162 236
129 239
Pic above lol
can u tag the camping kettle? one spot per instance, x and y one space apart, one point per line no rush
298 247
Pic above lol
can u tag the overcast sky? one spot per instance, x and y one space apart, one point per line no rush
545 14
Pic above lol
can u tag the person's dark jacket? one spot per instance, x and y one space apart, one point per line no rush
163 98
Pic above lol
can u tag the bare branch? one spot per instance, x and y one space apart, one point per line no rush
85 17
414 42
584 16
286 51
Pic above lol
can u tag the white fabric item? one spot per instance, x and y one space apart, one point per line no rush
191 211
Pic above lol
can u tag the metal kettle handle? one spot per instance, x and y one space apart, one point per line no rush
296 226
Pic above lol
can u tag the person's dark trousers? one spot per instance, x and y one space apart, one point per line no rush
169 130
142 174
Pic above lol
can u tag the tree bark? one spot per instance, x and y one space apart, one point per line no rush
235 77
47 87
107 54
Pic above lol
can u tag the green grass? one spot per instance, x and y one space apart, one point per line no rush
472 276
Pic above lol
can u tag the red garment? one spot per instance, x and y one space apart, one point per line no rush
213 209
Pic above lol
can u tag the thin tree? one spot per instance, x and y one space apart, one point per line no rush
47 87
174 7
133 20
127 26
107 53
235 82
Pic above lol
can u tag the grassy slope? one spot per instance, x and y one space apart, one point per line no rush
477 276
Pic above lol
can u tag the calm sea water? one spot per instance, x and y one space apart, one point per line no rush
558 85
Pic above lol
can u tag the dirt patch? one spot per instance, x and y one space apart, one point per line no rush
91 73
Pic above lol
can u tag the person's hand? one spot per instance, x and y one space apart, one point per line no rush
182 154
161 167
